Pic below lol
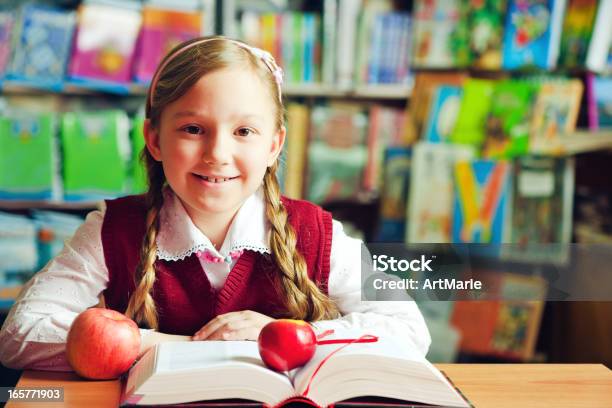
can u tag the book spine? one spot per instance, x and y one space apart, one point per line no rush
329 40
556 27
601 40
374 59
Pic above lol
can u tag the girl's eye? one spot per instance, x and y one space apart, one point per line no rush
193 129
244 132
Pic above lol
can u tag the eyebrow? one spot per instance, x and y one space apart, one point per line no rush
181 114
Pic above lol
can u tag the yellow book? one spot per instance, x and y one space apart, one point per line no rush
296 142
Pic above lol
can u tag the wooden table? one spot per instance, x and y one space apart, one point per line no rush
485 385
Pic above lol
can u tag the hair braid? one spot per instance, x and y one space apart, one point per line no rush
303 298
141 306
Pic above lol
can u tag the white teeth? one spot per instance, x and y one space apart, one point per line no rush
215 179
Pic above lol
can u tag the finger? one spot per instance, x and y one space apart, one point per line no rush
216 323
247 333
223 332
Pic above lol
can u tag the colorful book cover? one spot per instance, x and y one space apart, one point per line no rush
437 33
555 114
7 21
577 29
482 202
394 197
425 84
41 45
503 328
28 158
105 42
475 104
602 89
162 30
385 130
532 33
93 141
442 114
486 19
507 124
337 152
431 196
542 204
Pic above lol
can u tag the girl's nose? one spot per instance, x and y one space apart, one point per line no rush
217 148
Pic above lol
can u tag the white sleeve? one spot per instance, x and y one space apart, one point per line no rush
399 319
34 333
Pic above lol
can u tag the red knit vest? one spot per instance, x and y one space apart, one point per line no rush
184 298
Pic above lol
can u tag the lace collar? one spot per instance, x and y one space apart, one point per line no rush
178 236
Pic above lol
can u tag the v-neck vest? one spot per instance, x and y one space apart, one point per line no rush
183 295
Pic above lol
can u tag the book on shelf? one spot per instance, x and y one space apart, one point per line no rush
436 41
442 114
163 28
532 33
425 84
599 54
602 91
29 167
476 99
18 248
577 30
555 114
138 170
348 12
92 141
506 327
542 205
486 24
430 203
394 196
182 372
41 44
105 42
337 152
296 142
482 202
507 123
7 21
384 130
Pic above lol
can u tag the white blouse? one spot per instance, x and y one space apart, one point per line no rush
34 333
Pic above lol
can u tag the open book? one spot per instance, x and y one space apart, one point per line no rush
184 372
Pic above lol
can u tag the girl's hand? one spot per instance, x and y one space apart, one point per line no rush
243 325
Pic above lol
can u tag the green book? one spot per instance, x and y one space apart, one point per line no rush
97 153
475 105
508 121
28 157
138 170
297 59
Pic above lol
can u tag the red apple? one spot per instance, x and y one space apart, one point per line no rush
102 344
285 344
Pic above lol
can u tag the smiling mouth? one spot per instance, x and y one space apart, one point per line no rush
215 179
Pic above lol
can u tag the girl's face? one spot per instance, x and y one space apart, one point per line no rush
216 141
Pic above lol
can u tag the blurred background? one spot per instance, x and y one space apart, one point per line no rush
431 121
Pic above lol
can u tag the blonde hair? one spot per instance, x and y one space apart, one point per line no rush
180 70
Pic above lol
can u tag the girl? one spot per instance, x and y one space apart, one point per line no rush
211 251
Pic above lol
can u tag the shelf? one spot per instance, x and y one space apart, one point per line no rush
581 141
48 205
383 91
22 87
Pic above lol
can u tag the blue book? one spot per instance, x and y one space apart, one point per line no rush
397 165
376 53
309 38
41 45
442 114
532 33
603 98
